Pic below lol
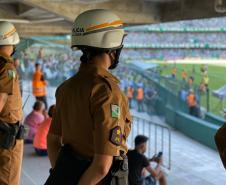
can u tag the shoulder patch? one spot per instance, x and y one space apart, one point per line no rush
12 74
116 136
115 111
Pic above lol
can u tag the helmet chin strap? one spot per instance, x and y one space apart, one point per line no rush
14 51
115 60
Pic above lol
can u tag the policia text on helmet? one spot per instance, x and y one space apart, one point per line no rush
94 36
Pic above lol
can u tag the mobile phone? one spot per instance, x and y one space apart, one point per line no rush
159 154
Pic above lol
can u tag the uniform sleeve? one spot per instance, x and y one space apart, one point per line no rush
56 127
7 80
101 102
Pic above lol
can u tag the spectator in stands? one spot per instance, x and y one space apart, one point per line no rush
184 75
190 82
140 98
202 87
40 139
33 119
40 57
138 163
202 69
192 104
174 72
206 80
183 94
130 92
150 98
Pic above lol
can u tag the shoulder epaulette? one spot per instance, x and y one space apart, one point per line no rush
107 81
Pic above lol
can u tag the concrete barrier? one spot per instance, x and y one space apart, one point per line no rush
198 129
214 119
195 128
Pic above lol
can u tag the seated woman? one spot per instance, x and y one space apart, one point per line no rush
40 140
33 119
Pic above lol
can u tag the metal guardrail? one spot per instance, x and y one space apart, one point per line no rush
159 138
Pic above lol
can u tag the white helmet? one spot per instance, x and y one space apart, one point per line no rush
8 34
97 29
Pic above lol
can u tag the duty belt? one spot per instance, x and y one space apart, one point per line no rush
9 133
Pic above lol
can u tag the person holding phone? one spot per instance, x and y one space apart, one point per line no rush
138 163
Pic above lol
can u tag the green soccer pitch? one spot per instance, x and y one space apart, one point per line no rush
217 79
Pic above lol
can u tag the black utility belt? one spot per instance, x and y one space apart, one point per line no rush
70 167
9 133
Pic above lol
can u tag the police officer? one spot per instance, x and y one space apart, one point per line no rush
92 115
11 144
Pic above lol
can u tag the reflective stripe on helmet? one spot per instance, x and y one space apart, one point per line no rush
105 25
103 29
10 33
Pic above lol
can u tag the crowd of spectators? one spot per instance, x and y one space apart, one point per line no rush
139 90
173 41
56 67
172 54
175 38
202 23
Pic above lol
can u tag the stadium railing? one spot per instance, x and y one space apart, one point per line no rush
159 138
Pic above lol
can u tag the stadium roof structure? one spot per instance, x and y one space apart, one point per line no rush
55 17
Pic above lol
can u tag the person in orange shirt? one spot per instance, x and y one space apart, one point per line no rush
183 75
40 139
39 85
192 103
140 97
130 92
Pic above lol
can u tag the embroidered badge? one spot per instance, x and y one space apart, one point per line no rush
115 111
116 136
11 74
